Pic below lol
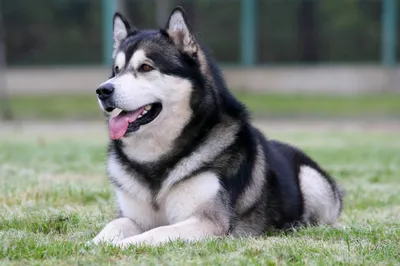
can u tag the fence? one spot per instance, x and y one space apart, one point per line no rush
240 32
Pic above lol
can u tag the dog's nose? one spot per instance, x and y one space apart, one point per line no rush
105 91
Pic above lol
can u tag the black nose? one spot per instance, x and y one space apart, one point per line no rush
105 91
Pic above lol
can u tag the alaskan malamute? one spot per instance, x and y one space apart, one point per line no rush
184 159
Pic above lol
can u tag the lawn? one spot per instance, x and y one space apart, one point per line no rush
82 107
54 197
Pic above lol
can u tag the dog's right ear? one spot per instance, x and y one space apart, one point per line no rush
178 30
121 28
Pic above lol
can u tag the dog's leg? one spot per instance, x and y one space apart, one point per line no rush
191 229
117 230
195 209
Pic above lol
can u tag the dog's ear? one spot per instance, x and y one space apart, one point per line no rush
121 28
178 30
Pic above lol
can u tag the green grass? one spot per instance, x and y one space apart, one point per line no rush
54 197
321 105
54 107
267 105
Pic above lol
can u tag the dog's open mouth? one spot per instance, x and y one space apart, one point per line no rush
130 121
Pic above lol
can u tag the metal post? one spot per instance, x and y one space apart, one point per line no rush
108 9
5 108
248 32
389 30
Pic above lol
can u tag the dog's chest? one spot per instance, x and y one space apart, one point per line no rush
135 199
172 202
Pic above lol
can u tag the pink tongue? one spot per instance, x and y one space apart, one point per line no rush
120 123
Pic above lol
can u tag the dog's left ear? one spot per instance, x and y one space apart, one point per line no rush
121 29
178 30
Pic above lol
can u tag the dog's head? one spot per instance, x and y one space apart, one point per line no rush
154 76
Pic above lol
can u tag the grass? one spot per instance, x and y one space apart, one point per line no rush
266 105
278 105
54 197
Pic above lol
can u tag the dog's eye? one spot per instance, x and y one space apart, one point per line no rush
116 69
146 68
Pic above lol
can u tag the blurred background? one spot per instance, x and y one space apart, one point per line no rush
283 58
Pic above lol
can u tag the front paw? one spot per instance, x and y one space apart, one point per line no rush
104 240
133 241
109 235
126 243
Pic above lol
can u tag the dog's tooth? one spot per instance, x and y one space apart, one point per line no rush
147 107
116 112
139 116
144 112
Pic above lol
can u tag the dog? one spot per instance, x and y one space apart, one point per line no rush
184 159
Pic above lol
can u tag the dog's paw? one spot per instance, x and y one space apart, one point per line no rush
133 241
90 244
124 244
115 231
111 235
106 239
339 226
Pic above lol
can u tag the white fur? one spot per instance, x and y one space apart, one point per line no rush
179 215
119 33
182 207
120 60
155 139
177 23
188 197
191 229
128 181
135 198
138 58
117 230
142 212
133 91
318 196
220 138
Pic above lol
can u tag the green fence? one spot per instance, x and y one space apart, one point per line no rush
246 32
